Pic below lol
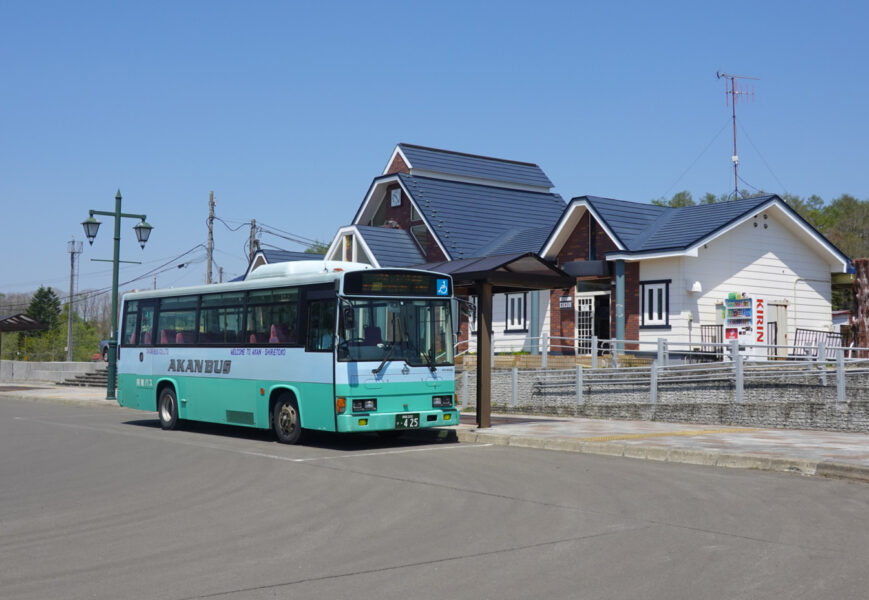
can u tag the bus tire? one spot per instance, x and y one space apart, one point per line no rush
286 421
167 408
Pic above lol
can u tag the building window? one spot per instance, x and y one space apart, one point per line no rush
420 235
517 313
395 197
472 318
655 303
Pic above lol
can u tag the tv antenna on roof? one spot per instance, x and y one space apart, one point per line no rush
732 93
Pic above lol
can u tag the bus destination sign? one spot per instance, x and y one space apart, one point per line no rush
397 283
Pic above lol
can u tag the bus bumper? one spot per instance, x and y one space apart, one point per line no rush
403 421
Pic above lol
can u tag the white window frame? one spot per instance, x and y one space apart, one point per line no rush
516 313
655 304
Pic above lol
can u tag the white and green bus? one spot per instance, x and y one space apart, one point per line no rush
307 345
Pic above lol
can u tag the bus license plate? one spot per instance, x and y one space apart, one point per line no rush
407 421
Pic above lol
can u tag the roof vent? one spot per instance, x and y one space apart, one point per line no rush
304 267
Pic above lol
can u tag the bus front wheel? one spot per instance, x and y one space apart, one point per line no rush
167 408
285 420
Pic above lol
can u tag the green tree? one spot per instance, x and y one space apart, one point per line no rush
317 248
845 222
810 208
678 200
45 307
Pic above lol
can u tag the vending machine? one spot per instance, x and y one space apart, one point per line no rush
744 320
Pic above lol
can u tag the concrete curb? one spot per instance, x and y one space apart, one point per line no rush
843 471
673 455
53 399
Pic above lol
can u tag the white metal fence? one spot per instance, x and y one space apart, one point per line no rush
616 353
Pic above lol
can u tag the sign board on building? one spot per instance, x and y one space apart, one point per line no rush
565 302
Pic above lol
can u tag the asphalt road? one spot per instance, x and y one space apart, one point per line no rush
101 503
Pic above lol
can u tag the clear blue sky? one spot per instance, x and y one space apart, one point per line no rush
287 110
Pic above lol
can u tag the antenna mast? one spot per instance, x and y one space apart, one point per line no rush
732 93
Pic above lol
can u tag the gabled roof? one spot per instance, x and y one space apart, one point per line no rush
648 231
434 162
647 227
391 247
474 220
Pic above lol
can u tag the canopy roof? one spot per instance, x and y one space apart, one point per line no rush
20 322
506 272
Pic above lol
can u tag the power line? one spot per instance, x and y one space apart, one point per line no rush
166 266
699 156
756 149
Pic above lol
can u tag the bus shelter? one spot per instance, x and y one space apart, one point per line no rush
484 277
19 322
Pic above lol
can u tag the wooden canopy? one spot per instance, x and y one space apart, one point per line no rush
485 276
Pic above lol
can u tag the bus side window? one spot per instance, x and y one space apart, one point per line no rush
131 323
147 325
321 325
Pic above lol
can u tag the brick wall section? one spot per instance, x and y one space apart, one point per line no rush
397 166
401 216
576 248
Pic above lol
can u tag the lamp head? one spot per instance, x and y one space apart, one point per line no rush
143 232
91 226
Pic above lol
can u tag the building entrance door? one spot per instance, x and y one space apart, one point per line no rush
592 319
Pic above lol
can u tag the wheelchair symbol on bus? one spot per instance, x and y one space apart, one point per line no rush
443 287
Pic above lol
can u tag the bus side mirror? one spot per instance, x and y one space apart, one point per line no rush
349 318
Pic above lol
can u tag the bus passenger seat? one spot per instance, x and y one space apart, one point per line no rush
273 336
372 335
146 339
164 337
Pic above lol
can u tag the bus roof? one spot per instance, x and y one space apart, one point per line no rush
302 272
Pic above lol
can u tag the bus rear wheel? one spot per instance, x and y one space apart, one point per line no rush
167 408
285 420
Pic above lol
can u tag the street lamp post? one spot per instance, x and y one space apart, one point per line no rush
143 231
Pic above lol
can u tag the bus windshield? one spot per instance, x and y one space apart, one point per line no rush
418 332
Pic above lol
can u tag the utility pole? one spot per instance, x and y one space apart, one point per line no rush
210 248
252 246
733 93
74 248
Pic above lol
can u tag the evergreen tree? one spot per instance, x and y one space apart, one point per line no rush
45 307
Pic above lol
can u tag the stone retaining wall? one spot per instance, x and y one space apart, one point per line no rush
17 371
805 404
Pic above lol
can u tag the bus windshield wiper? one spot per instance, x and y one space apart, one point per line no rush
429 361
385 358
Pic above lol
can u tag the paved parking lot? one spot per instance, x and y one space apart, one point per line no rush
99 502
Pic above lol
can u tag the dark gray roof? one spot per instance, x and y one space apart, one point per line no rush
274 255
476 220
20 322
470 165
647 227
392 247
506 272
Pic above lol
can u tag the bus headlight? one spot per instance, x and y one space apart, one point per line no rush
365 405
441 401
